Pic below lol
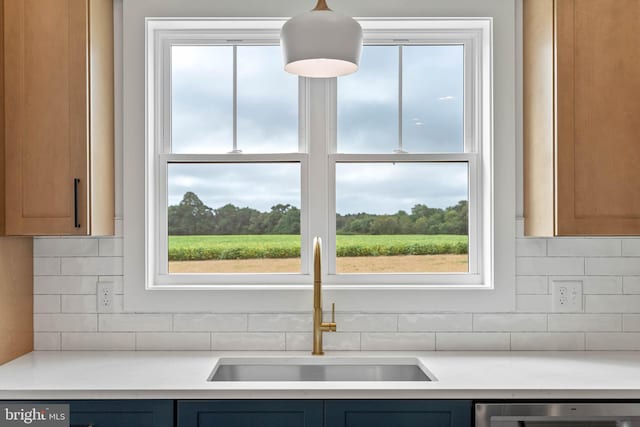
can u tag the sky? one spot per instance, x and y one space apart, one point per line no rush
432 121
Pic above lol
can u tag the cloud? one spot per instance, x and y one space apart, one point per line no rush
385 188
368 101
202 100
255 185
368 122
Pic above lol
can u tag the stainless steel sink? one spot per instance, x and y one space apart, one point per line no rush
319 369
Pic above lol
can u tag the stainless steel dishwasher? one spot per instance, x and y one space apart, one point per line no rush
557 414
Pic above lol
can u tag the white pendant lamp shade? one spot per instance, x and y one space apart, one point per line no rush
321 43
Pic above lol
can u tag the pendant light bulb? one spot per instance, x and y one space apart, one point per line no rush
321 43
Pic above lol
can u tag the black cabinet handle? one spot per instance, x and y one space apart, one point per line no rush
76 182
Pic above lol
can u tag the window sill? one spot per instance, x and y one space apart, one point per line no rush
298 298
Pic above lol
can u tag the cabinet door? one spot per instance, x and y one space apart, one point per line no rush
250 413
598 117
46 116
398 413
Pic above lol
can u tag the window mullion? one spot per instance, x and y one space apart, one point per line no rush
399 149
235 101
319 135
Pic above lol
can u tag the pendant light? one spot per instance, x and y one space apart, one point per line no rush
321 43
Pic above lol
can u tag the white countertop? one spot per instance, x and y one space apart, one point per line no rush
460 375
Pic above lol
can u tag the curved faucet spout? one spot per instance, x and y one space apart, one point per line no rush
318 325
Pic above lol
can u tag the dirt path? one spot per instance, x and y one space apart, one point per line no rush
380 264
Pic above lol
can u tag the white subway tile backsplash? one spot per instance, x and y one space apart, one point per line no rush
547 341
612 266
585 322
341 341
46 266
398 341
472 341
367 322
134 322
631 284
280 322
46 303
509 322
562 266
533 303
103 266
531 285
334 341
612 303
43 341
79 304
613 341
298 341
98 341
435 322
172 341
61 285
595 247
631 322
630 247
110 247
605 285
59 247
67 269
65 322
531 247
209 322
248 341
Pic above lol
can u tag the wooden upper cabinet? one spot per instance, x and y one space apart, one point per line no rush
582 117
58 59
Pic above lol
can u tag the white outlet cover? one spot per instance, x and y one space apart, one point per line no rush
566 296
105 296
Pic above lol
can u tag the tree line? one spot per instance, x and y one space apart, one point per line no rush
192 217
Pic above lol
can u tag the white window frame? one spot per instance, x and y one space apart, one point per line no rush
495 293
318 169
162 35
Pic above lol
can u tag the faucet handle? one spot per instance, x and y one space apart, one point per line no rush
333 312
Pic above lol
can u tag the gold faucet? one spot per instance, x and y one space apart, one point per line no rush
318 325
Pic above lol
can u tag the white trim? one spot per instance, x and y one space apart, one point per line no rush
376 299
315 182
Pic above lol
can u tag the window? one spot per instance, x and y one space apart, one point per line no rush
391 166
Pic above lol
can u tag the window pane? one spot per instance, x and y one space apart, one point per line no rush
201 99
401 217
267 102
234 218
368 103
432 98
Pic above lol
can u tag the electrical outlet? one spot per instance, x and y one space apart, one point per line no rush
104 297
567 296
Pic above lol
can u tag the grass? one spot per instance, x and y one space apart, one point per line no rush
198 248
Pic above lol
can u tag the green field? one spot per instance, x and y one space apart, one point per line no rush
198 248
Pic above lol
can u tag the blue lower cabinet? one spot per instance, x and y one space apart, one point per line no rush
250 413
122 413
398 413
